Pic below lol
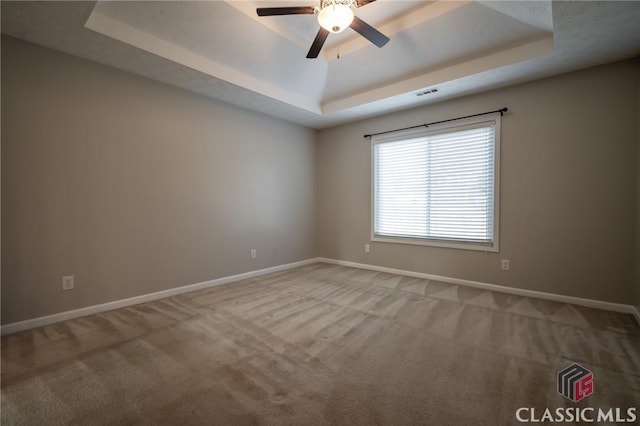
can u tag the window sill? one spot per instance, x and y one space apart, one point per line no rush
461 245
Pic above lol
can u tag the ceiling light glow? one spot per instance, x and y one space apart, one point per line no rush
335 17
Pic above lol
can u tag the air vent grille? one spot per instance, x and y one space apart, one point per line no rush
427 92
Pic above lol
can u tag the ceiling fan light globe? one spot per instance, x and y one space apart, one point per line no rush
335 17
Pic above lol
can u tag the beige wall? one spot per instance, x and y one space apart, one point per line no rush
568 187
135 187
637 260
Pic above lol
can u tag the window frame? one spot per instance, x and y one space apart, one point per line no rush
448 127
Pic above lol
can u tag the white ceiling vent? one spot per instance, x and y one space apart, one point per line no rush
426 92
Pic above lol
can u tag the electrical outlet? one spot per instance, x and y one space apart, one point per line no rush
367 248
67 282
253 253
505 264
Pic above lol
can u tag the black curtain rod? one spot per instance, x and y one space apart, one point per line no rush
501 111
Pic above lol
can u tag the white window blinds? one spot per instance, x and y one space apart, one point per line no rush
438 185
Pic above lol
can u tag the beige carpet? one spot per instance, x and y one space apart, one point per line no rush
321 344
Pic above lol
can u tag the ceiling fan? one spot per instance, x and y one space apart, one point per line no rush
333 16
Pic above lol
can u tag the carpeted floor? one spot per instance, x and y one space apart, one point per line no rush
320 344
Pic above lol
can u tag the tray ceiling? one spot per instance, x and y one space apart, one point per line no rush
222 49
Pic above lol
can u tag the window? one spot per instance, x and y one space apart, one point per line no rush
438 186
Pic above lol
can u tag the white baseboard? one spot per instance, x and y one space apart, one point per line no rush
636 313
598 304
89 310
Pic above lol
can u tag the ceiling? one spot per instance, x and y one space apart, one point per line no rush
223 50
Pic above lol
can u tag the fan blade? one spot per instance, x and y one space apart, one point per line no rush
368 32
361 3
318 42
274 11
